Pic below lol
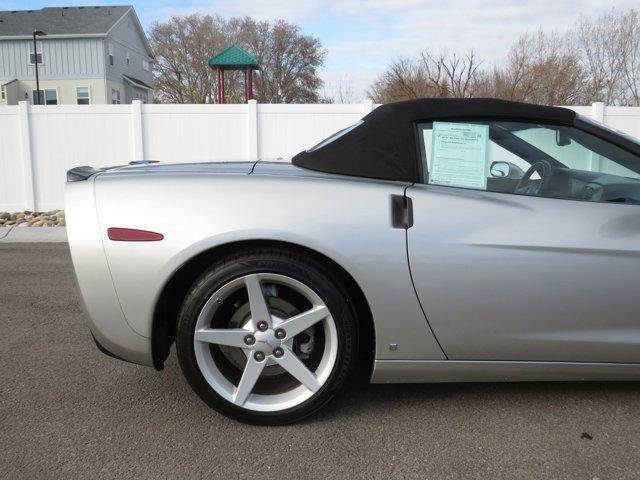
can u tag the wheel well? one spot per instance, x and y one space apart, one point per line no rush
166 312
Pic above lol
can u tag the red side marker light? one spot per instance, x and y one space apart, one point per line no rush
133 235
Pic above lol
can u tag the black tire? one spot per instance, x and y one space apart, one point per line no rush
305 269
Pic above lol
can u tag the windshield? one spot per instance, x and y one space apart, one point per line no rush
579 150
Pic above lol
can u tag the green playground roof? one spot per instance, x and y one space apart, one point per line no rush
233 58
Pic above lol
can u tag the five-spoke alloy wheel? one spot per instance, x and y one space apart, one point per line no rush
268 337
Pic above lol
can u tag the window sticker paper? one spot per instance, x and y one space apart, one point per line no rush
459 154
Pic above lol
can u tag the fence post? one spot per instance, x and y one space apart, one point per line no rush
252 130
138 139
27 159
367 106
597 111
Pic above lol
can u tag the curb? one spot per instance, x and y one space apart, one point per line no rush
33 235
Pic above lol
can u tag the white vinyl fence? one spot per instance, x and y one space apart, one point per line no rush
38 144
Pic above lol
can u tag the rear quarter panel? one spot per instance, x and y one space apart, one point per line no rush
346 220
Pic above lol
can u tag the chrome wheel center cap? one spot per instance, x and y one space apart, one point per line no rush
266 341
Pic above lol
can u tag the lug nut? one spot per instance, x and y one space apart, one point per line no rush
249 339
278 352
259 356
280 334
263 326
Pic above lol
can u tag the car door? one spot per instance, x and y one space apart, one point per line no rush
512 274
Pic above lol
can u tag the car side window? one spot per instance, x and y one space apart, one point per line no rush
528 159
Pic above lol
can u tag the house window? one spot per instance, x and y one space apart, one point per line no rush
145 65
111 54
32 58
82 96
47 97
115 96
142 96
3 92
128 59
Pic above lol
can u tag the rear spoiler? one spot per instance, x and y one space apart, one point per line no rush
78 174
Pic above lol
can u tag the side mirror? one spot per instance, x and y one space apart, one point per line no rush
505 170
500 169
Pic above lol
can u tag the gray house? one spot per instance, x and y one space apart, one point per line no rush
88 55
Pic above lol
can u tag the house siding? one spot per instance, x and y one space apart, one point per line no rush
125 38
132 93
65 90
62 58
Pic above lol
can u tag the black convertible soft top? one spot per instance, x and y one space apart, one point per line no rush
385 144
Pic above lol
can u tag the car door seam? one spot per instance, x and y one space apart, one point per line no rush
413 284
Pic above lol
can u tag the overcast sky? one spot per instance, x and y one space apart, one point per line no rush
362 36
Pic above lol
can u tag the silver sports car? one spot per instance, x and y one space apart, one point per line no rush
433 241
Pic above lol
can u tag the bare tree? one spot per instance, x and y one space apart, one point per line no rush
182 46
450 74
288 59
598 60
442 75
401 81
540 68
340 91
605 46
630 24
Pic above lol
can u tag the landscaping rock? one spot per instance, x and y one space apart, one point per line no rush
28 218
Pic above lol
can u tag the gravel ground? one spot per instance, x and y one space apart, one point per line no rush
67 411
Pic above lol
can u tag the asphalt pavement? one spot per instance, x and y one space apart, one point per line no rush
68 411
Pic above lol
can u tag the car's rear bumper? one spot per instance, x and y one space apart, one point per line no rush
105 318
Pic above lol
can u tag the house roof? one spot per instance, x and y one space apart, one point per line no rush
233 58
136 82
61 20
